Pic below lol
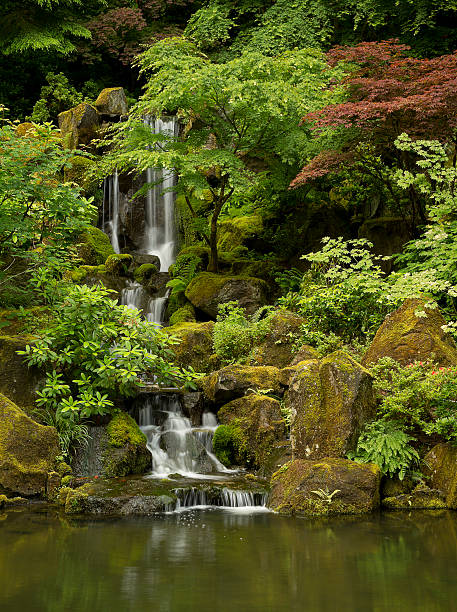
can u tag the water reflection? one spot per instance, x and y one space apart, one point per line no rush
218 560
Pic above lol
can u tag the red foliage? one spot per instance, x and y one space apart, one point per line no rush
387 94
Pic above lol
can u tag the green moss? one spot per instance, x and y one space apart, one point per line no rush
195 346
75 501
122 430
66 480
228 444
235 232
144 272
94 247
185 314
118 265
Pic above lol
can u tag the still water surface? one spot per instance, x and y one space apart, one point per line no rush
218 560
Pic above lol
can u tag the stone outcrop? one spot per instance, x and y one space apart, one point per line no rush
254 434
79 125
440 464
277 349
325 487
206 291
330 400
407 337
234 381
112 101
27 451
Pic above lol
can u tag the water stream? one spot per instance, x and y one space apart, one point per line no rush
111 197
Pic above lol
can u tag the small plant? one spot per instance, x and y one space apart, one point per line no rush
388 446
325 495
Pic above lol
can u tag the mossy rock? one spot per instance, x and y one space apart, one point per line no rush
206 291
26 129
234 381
440 464
82 273
195 344
144 273
420 498
185 314
256 426
18 381
125 449
330 401
407 337
94 247
277 349
9 502
80 173
238 231
75 501
112 101
79 125
118 265
27 451
329 486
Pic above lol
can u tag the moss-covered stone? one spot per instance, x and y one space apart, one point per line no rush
277 348
422 497
75 501
80 173
25 129
8 502
144 272
330 401
206 291
112 101
440 464
185 314
238 231
94 247
258 426
234 381
79 125
407 337
195 345
118 265
125 449
18 381
27 451
325 487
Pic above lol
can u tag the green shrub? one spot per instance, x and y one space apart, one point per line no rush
388 446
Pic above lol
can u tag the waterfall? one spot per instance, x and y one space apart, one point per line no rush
225 498
135 296
160 231
176 447
111 197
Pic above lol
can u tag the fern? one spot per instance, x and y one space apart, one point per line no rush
387 445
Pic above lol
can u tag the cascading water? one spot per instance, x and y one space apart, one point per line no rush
134 296
160 231
225 498
176 447
111 201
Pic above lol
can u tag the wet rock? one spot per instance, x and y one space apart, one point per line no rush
406 337
440 464
256 429
277 349
112 101
140 259
421 497
325 487
206 291
196 345
27 451
235 381
79 125
193 407
330 400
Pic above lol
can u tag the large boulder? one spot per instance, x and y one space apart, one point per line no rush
235 381
116 449
441 467
206 291
277 349
406 335
27 451
18 381
330 400
94 247
238 231
79 125
112 101
195 347
252 429
325 487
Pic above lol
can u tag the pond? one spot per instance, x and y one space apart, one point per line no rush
222 560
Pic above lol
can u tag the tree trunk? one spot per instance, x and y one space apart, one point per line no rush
213 265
